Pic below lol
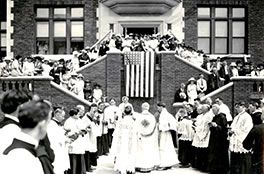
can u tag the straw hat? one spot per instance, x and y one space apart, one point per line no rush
233 64
74 74
80 75
191 79
7 59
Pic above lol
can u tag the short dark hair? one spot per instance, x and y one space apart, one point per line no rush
33 112
93 105
128 110
12 99
73 112
241 103
161 104
219 98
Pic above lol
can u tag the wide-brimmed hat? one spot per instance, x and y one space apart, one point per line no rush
191 79
74 74
162 104
233 64
80 75
97 85
7 59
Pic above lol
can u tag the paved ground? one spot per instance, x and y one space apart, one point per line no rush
105 166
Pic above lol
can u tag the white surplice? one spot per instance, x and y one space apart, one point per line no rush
58 139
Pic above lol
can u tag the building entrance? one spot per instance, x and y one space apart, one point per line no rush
141 31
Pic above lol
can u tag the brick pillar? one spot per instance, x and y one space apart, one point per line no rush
114 65
42 88
168 79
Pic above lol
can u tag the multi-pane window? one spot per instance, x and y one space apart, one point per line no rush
3 28
222 30
2 39
59 30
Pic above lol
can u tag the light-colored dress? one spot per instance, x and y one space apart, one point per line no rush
192 93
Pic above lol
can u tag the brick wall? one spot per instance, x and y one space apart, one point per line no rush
24 22
114 66
24 35
255 23
96 73
174 71
256 28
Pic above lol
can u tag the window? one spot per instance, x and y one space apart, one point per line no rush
222 30
59 30
169 26
3 39
3 18
111 27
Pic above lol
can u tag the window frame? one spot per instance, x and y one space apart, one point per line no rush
51 19
2 49
230 19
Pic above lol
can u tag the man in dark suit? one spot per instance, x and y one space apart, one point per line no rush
224 72
213 80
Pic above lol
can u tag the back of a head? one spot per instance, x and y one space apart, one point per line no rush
12 99
73 112
161 104
145 106
128 110
33 112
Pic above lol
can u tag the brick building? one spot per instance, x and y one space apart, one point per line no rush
219 27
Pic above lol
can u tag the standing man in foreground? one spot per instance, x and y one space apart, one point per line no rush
34 116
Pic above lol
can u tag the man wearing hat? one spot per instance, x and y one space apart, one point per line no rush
240 127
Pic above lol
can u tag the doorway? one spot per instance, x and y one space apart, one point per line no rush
141 31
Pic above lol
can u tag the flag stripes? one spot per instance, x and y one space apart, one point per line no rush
139 73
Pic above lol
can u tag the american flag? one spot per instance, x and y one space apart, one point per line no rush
139 72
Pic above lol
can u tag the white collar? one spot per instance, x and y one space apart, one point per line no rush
12 117
27 138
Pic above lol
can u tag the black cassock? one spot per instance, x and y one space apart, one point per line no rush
218 146
255 141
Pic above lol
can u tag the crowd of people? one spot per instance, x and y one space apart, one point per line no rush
197 88
210 140
41 138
